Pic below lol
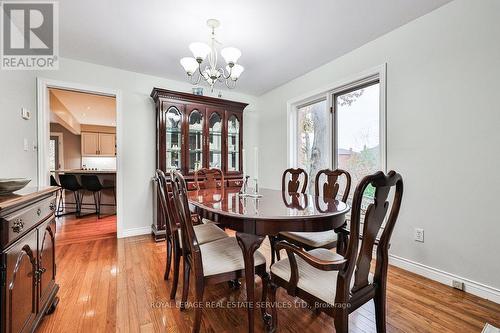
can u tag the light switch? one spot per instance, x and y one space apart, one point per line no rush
26 145
25 113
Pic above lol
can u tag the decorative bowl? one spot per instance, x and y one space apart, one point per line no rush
9 185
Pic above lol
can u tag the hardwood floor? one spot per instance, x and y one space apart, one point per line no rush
117 285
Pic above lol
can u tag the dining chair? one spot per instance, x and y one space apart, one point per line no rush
206 178
214 262
294 180
327 185
338 285
209 178
205 232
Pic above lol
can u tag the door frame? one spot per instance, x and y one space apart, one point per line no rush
60 148
43 134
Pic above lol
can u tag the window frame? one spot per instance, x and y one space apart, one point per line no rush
328 93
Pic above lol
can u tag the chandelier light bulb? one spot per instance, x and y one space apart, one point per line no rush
199 50
190 65
235 71
230 54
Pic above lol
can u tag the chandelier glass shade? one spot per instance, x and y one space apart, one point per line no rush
203 64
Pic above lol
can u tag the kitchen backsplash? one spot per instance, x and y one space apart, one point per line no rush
99 163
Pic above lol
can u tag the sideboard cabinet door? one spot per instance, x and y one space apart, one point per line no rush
46 259
21 306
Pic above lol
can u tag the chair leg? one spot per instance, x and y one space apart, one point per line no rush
272 241
177 261
185 285
341 320
169 258
95 202
99 205
266 279
200 286
380 308
77 203
273 324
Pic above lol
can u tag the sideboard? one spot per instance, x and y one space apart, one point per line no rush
28 285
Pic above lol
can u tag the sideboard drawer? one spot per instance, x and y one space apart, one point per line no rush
23 220
234 182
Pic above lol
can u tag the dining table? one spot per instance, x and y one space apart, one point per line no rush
265 214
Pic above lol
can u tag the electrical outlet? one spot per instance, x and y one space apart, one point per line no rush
419 235
457 284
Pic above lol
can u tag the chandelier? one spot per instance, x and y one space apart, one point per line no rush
211 74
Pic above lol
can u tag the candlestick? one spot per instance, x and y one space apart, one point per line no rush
256 162
244 163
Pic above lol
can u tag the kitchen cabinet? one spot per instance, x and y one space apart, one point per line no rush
98 144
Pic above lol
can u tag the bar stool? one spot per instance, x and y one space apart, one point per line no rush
70 183
59 194
93 184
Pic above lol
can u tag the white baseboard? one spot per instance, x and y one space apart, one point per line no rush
135 232
473 287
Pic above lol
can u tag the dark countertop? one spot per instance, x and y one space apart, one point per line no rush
81 171
26 194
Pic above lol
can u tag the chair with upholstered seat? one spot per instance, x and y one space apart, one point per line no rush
204 232
213 262
292 181
205 178
338 285
327 185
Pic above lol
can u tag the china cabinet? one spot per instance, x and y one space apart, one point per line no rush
194 132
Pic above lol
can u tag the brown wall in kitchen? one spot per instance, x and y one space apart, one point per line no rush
71 147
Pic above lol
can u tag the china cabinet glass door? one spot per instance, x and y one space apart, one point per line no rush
233 144
173 125
215 140
195 140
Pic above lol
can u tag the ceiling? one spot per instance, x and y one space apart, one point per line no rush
88 109
280 40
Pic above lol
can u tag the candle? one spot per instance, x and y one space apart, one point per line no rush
256 162
244 164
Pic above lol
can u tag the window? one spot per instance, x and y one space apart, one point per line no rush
357 120
351 137
52 153
312 139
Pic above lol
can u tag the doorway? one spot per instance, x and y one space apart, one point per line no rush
68 112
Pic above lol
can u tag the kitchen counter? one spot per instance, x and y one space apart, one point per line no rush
81 171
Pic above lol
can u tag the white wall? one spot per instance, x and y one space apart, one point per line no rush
443 132
18 89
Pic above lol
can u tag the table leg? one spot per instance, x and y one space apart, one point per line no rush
249 244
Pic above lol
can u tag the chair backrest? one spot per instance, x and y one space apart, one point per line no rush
190 246
53 181
211 178
166 203
359 258
69 182
91 182
330 186
294 180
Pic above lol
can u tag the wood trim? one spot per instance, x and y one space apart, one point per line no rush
158 93
98 129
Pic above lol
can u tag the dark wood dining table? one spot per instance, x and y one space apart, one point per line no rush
267 215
